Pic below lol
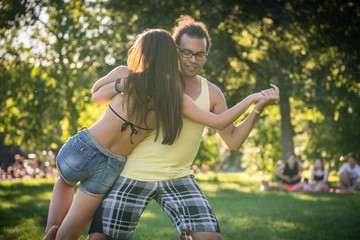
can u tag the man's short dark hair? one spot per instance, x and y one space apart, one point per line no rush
187 25
352 155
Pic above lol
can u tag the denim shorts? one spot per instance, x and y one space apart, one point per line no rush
83 159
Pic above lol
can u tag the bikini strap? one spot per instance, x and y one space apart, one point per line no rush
127 123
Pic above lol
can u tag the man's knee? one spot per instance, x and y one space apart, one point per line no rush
215 236
205 235
98 236
344 175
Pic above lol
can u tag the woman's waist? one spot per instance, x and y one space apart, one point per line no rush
92 142
114 140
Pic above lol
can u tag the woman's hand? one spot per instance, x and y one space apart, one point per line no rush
269 96
286 178
256 97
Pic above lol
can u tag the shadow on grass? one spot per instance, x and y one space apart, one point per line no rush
247 213
243 212
279 215
23 208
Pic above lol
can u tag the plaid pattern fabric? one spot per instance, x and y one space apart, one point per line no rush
181 199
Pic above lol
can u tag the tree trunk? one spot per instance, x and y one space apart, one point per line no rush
69 93
287 131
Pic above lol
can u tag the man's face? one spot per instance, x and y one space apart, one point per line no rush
191 66
352 162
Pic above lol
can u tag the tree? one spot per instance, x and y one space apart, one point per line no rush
309 48
257 42
48 78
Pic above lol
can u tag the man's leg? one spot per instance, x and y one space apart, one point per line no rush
206 235
357 186
191 235
121 209
344 180
189 210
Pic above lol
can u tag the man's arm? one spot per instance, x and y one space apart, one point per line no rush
235 135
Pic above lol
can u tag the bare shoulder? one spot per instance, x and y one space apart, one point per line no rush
214 90
217 98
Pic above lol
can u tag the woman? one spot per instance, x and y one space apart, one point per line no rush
153 94
319 178
289 173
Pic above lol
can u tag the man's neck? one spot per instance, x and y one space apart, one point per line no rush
193 87
191 80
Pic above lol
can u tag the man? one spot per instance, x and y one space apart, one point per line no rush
161 172
349 174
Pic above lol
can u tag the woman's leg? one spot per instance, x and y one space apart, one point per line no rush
99 236
79 215
321 187
281 186
308 188
298 187
61 199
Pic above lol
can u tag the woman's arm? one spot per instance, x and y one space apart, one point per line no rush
278 173
197 114
104 89
326 175
104 94
298 176
301 169
311 180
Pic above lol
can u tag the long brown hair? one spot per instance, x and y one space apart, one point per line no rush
155 78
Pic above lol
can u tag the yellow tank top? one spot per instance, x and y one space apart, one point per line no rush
152 161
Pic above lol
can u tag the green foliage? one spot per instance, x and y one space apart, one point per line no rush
262 149
307 47
46 90
209 156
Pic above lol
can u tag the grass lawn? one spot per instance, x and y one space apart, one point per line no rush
242 210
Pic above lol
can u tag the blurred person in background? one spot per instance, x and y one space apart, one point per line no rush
319 178
290 175
349 174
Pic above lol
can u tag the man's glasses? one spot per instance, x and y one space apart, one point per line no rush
186 53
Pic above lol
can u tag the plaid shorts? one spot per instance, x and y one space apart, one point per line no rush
181 199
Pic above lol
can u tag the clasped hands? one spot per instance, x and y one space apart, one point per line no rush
267 96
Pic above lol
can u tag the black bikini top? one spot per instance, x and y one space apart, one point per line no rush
127 123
